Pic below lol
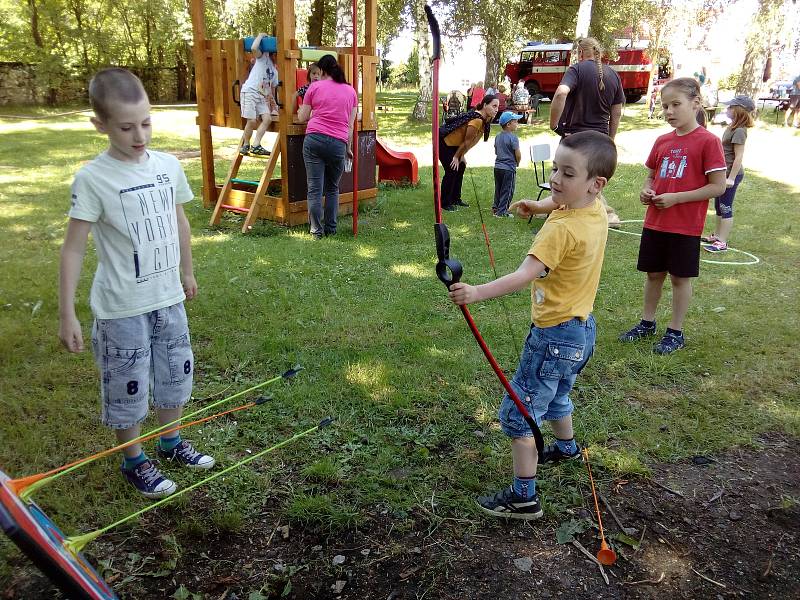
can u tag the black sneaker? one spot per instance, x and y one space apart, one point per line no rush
259 150
451 208
553 454
510 505
637 332
185 454
669 343
146 478
245 149
462 203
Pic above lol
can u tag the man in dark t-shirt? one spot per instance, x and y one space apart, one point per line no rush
586 100
579 103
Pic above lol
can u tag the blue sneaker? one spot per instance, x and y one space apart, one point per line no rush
185 454
669 344
637 332
146 478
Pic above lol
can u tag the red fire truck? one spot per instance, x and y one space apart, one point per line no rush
542 66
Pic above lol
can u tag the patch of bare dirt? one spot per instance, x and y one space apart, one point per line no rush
710 527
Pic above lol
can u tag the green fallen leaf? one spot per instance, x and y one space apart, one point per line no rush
626 539
566 531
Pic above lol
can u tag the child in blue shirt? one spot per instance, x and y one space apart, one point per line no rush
506 147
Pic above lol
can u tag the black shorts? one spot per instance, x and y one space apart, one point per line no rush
794 101
675 253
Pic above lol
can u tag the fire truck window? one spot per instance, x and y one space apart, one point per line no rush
553 57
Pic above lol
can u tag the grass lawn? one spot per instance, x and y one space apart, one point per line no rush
384 351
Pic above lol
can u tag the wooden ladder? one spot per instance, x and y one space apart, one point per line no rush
252 211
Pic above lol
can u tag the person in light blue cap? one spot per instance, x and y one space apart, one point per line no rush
506 147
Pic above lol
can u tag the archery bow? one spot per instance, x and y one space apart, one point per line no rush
449 270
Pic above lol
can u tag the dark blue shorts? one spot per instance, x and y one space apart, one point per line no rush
724 204
550 363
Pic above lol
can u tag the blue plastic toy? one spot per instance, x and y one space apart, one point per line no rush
268 44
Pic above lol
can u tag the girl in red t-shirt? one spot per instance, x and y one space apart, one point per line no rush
687 167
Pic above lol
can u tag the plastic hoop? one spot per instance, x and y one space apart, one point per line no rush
754 260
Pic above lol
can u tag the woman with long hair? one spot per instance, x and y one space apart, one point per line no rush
456 137
329 109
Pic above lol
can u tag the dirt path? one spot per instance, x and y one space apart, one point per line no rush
729 527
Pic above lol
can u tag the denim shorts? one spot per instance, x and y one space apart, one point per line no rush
142 357
550 363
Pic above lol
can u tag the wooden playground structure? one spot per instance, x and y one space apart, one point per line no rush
222 65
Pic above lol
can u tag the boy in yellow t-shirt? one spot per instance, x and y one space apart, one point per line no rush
563 266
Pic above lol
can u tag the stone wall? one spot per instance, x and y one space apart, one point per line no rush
19 84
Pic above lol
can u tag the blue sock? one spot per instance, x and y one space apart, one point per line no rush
525 487
675 332
168 443
568 447
130 463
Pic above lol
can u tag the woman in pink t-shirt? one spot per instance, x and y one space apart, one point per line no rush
329 109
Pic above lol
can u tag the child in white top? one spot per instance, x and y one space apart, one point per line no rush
131 199
257 98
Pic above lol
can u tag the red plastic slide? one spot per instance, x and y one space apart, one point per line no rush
395 166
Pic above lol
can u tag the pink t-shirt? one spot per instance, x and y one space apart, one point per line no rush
331 104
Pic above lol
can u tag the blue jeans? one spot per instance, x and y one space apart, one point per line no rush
550 363
324 157
504 180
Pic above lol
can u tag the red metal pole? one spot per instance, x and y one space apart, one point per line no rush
355 123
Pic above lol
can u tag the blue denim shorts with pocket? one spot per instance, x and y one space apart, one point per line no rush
550 363
148 355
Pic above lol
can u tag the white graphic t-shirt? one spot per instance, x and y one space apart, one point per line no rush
262 76
135 229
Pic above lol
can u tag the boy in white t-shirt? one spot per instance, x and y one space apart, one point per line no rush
257 96
131 199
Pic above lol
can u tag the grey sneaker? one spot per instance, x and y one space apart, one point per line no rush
509 505
245 149
553 454
185 454
259 150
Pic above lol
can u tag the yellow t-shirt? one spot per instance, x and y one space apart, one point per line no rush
456 138
571 245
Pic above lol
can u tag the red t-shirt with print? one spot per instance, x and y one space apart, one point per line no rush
681 163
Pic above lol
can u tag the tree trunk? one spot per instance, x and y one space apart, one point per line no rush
37 36
584 19
764 27
316 22
493 56
344 23
420 112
